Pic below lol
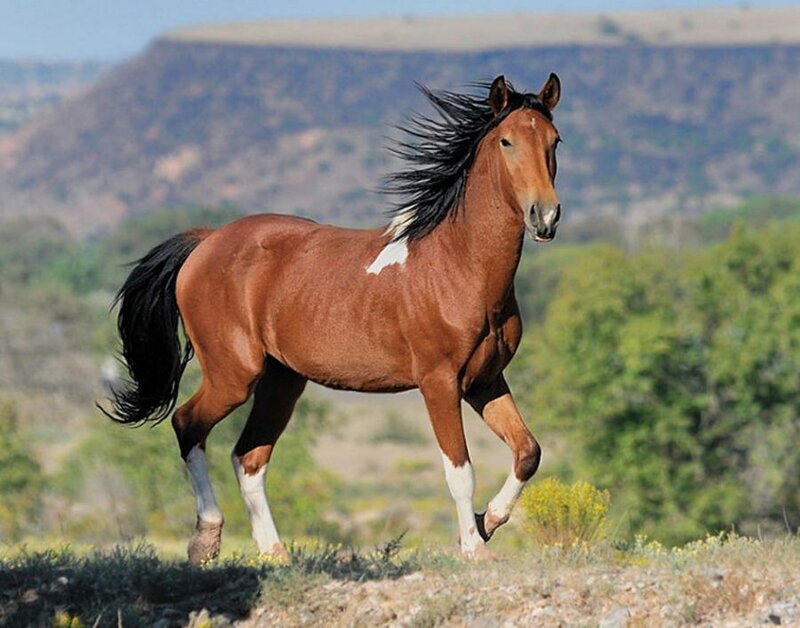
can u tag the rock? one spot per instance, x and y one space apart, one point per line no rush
784 609
30 596
546 611
715 575
618 618
199 619
666 611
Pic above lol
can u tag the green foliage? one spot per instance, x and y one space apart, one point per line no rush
673 373
138 234
20 477
539 272
675 376
139 476
40 250
29 245
557 514
395 429
756 212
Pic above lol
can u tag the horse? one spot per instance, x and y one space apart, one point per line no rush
271 301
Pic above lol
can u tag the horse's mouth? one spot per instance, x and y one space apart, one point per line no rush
543 239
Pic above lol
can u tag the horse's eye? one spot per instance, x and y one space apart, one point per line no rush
504 142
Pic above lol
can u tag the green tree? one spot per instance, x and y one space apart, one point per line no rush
29 245
138 475
21 478
675 377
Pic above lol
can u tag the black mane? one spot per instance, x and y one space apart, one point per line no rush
440 153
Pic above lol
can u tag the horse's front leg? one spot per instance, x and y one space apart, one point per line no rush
496 405
443 401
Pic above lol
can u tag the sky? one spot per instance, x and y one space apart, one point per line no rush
111 30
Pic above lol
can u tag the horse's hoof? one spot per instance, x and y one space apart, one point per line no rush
487 523
205 542
481 526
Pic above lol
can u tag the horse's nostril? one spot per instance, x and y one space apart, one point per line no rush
558 213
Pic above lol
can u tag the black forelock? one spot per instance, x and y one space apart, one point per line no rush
440 153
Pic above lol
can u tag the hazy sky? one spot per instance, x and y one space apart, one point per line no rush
113 29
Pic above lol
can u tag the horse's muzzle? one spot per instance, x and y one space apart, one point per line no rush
543 222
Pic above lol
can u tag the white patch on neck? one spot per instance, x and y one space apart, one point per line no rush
207 507
393 253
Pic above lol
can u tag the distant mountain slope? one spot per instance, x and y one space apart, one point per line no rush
648 128
31 87
684 27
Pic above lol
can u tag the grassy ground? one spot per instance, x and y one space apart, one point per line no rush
732 581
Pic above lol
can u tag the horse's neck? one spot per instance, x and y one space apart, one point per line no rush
485 237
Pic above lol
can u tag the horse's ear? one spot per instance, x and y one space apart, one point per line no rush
498 94
551 92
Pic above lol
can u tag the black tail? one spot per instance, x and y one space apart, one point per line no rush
148 327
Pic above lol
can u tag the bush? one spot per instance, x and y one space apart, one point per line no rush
395 429
20 477
138 478
674 378
555 513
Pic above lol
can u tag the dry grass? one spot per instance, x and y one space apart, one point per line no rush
730 581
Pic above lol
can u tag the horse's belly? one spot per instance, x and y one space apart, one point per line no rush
345 359
351 374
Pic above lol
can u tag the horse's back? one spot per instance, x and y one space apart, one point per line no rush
280 284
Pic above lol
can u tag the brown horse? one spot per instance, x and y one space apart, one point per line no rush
269 302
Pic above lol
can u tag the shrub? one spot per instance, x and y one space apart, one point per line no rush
20 476
395 429
555 513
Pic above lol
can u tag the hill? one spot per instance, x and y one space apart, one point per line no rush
680 117
29 88
717 26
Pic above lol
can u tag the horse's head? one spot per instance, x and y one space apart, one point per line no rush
526 140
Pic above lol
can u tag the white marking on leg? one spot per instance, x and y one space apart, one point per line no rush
461 482
393 253
255 497
502 503
207 507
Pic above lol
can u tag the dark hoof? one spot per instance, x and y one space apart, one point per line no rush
487 524
481 526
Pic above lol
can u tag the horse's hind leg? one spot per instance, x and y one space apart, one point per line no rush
496 405
192 423
275 396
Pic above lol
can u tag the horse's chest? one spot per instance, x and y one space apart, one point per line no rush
493 352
